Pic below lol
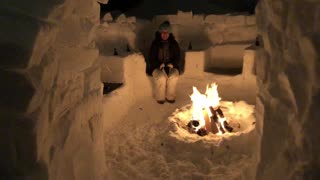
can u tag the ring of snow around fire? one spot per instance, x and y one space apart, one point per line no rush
239 115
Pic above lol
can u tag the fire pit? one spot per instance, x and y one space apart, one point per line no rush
209 117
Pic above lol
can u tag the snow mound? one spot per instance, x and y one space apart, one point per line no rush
239 115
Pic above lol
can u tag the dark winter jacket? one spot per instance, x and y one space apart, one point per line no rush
155 59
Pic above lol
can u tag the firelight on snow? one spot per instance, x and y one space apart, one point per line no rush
206 113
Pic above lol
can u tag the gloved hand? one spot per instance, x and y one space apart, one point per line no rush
170 65
161 66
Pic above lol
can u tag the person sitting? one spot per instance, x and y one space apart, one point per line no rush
163 64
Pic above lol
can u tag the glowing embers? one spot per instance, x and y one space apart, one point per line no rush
207 115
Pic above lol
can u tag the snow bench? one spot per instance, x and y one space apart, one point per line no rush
115 69
225 56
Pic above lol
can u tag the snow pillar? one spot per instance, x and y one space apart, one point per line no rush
288 75
50 109
194 63
248 63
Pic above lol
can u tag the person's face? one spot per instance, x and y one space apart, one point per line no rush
164 35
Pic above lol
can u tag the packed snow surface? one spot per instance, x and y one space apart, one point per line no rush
146 146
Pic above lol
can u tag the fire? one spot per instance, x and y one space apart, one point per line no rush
212 95
206 110
198 102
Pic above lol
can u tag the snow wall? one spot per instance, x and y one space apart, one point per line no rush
136 86
50 109
288 71
199 30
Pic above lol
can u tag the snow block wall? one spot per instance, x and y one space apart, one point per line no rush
209 30
288 72
199 30
51 104
136 86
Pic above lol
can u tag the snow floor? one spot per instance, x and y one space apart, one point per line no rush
141 144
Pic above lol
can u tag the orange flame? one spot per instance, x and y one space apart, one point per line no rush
201 104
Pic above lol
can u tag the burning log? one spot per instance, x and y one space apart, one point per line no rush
216 114
214 120
207 121
227 126
219 111
193 127
202 132
203 105
213 124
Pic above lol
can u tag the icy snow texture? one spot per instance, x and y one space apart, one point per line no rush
51 103
288 74
145 151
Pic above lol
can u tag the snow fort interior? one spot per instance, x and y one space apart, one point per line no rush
77 102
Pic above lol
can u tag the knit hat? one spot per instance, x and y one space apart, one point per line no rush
165 26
